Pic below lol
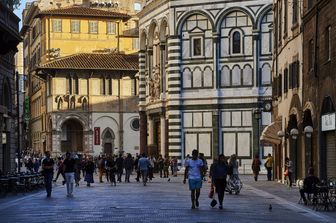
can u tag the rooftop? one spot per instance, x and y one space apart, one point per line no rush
84 12
95 61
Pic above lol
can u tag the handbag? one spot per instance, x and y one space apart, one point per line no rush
213 203
286 173
212 192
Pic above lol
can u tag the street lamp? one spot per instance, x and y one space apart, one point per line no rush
308 131
257 115
294 133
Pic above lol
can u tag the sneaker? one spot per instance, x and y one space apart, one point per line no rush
63 182
197 204
48 195
192 206
220 206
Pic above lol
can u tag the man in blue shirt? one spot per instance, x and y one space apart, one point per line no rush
193 169
143 166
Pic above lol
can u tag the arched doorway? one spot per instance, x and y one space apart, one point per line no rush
72 136
108 141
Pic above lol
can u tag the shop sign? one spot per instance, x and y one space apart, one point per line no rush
4 138
328 122
97 135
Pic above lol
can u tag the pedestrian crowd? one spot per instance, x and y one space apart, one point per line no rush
223 173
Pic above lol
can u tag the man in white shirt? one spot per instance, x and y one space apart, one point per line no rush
193 169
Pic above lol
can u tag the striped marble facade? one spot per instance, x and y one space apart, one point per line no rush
214 60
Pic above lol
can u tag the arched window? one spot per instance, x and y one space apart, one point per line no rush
236 76
197 78
236 42
266 74
186 78
247 75
60 104
225 77
84 104
207 77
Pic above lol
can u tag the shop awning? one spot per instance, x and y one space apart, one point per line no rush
270 133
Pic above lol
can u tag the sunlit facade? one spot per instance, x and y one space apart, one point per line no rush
53 33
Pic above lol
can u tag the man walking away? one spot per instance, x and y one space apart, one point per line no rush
48 172
160 165
193 170
219 171
120 167
166 164
69 171
269 165
128 163
143 166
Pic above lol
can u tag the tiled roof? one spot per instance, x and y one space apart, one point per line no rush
95 61
84 12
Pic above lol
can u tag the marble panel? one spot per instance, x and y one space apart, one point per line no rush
229 143
244 144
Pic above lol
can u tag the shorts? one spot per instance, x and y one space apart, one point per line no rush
195 184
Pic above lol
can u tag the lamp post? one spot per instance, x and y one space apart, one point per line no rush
308 131
294 134
293 152
257 116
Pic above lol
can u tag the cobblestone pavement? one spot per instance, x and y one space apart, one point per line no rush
160 201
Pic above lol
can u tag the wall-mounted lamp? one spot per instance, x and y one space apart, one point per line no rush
294 133
282 134
308 130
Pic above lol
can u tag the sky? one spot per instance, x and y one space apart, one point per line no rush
18 12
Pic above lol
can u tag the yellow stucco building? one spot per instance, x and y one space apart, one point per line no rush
82 76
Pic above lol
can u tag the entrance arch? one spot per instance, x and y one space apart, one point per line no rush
72 136
108 141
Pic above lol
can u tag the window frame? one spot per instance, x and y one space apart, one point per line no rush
109 30
192 39
56 25
72 22
240 42
90 27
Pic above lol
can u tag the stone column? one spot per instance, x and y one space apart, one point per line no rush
150 130
143 132
163 133
142 79
174 93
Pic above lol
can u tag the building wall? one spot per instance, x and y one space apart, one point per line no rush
41 44
9 35
318 72
197 88
287 50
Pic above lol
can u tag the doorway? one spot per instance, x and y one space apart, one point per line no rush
72 136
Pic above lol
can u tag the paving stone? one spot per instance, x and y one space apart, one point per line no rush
160 201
